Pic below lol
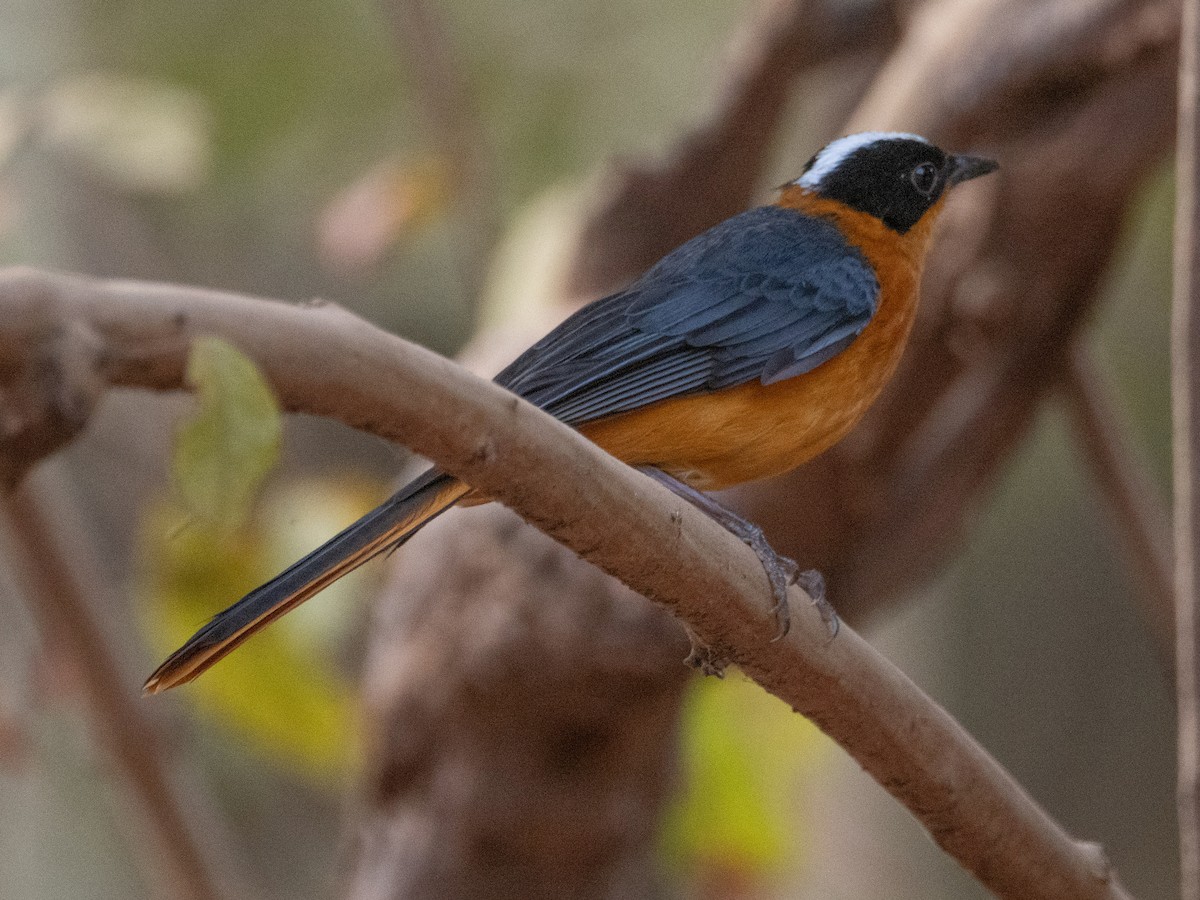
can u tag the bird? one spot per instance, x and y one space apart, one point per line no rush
740 355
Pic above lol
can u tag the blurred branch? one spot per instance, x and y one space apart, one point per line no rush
523 708
1185 404
14 741
889 505
613 516
646 209
986 72
1138 515
167 846
443 91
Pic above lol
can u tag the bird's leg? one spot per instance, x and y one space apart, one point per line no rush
781 571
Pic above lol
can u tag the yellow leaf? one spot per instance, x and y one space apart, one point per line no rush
744 755
282 695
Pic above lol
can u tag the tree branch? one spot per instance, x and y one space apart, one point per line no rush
444 94
324 360
167 842
1185 406
1139 518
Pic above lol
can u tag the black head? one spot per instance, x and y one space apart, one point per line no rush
894 177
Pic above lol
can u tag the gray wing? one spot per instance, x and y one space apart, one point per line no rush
764 296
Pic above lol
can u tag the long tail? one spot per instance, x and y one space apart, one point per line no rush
387 526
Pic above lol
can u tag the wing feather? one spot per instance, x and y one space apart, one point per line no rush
766 295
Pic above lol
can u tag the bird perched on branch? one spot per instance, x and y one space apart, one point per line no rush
738 356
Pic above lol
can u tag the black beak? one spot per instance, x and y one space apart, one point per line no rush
964 168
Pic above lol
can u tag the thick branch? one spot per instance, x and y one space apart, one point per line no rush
326 361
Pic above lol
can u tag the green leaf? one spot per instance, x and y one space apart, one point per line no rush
745 758
223 453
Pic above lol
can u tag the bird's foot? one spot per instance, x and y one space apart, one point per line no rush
813 584
782 572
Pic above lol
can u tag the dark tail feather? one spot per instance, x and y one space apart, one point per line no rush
382 529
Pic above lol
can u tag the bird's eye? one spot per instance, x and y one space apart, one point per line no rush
924 177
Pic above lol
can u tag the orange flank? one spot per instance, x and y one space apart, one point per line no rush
713 441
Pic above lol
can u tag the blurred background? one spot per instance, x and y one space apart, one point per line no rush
302 150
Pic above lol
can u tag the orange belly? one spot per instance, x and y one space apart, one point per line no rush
713 441
717 440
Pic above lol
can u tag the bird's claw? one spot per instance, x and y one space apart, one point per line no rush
782 572
813 584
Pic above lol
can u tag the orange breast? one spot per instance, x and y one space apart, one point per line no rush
753 431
